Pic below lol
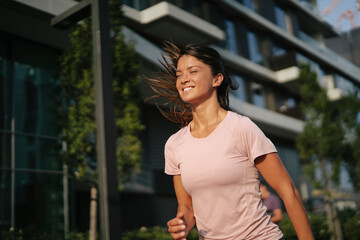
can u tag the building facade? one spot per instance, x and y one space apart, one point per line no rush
346 45
261 41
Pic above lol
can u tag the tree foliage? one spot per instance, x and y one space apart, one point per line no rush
79 101
331 131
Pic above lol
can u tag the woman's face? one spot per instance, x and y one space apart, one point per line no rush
195 82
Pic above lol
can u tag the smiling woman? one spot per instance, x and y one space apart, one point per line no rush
195 82
202 59
217 156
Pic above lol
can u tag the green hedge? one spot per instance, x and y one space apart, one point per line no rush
350 221
318 224
158 233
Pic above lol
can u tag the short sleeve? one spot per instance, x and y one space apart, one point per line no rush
256 143
171 165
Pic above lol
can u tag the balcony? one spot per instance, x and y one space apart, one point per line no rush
286 70
333 93
168 22
269 121
314 51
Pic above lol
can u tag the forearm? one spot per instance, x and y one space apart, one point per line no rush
188 215
298 216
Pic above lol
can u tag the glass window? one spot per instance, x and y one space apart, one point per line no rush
254 48
258 95
278 51
5 198
36 88
254 5
5 150
290 158
5 88
344 84
36 106
37 153
231 40
280 17
39 205
240 93
137 4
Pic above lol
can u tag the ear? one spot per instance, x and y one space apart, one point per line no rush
218 80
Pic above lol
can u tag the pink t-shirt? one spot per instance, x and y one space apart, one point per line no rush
218 172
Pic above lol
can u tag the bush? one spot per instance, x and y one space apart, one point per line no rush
318 224
350 222
158 233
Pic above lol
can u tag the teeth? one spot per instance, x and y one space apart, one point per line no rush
186 89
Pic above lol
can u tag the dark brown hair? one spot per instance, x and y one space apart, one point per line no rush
164 85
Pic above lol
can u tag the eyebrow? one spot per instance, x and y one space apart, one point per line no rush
189 68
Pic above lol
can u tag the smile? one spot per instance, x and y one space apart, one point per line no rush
187 89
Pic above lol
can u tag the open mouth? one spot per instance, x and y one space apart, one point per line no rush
187 89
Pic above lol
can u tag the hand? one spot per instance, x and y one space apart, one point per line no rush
177 227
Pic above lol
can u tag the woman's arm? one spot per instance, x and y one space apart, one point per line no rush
184 221
275 174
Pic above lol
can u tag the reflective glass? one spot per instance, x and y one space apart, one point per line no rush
254 46
280 17
231 40
137 4
5 150
39 205
37 100
258 95
344 84
290 159
5 88
37 153
252 4
278 51
240 93
5 198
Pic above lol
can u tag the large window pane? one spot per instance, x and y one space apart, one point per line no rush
258 95
254 5
37 153
5 150
36 105
254 46
39 208
280 17
5 198
5 88
37 101
231 40
240 93
290 159
344 84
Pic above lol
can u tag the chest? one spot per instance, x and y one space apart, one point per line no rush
214 163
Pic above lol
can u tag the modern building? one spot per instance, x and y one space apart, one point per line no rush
346 45
261 41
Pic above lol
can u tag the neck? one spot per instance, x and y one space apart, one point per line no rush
207 114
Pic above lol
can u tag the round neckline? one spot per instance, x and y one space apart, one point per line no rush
212 133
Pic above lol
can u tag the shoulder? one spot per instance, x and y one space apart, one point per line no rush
239 122
176 138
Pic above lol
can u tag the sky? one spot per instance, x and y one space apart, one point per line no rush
338 16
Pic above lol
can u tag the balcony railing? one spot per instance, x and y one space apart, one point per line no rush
338 60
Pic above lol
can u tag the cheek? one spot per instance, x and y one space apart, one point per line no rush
178 85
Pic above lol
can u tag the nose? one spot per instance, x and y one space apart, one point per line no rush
184 79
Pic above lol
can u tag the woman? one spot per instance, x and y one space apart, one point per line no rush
216 157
